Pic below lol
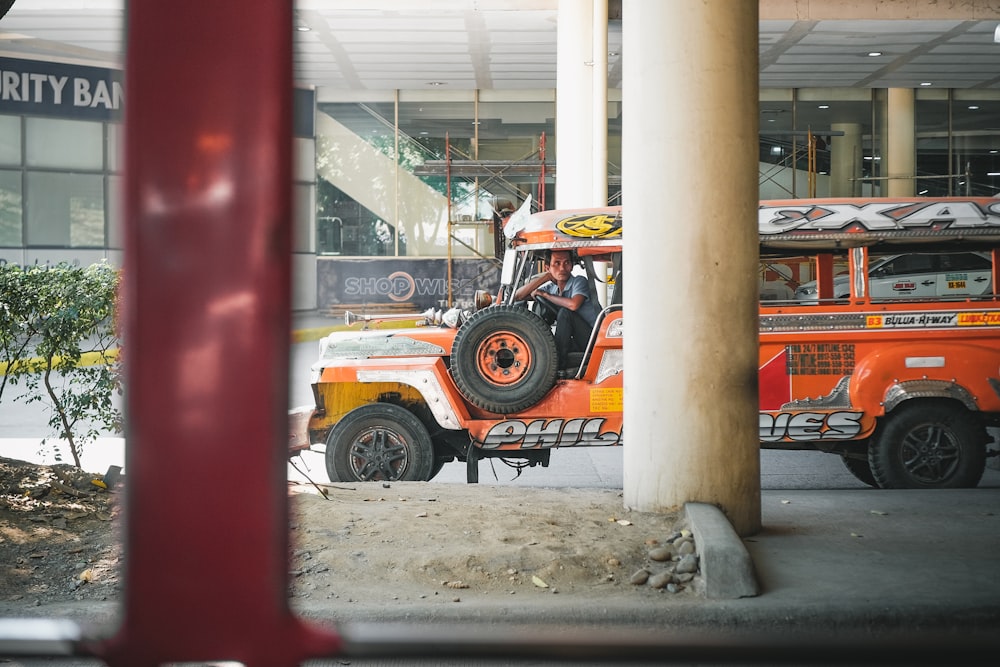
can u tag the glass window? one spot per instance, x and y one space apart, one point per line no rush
930 117
906 264
67 144
383 194
518 128
116 220
614 147
65 210
116 147
775 177
975 140
428 122
303 214
839 121
10 140
965 261
10 208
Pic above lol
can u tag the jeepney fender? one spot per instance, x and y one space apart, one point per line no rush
447 412
962 372
908 389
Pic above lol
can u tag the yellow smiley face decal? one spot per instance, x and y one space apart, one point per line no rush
591 226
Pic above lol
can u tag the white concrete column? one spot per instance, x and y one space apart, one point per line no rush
689 160
574 104
599 123
845 159
900 150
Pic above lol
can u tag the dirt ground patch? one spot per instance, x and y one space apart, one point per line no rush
373 543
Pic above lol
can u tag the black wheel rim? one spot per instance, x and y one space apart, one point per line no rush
378 454
930 453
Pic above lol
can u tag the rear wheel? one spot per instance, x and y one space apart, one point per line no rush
860 468
379 442
927 445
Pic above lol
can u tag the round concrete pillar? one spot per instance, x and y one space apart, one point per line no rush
574 104
900 143
845 159
689 154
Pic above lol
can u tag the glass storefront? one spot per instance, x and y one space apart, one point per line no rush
424 173
428 172
956 142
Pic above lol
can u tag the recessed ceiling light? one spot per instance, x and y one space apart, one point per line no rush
973 107
926 83
874 54
824 106
303 28
435 83
612 54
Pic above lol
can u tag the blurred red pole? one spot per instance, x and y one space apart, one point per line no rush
206 325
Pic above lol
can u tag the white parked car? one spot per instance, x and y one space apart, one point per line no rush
916 275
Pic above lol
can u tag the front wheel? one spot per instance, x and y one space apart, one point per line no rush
379 442
928 446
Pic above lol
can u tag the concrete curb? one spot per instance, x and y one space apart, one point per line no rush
726 566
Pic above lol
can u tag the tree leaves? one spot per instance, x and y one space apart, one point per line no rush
58 342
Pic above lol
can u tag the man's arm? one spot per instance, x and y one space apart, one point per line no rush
527 288
578 293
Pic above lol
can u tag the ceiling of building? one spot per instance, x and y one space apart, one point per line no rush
511 44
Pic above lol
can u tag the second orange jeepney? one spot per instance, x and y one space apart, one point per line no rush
879 342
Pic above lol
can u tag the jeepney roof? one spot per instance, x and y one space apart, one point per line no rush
795 224
817 224
585 230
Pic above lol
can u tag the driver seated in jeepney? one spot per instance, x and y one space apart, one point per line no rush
570 305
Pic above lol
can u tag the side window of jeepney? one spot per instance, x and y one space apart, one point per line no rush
778 278
529 266
792 281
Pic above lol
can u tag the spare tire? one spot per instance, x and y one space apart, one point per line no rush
504 359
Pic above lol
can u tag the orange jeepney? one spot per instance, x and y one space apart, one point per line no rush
879 332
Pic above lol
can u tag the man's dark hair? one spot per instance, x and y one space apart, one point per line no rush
549 251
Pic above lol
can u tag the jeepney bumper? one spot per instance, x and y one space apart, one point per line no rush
298 429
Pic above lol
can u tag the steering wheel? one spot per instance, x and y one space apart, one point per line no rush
546 309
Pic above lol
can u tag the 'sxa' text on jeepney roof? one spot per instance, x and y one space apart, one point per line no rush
808 218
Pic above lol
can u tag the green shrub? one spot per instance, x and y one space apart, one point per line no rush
58 343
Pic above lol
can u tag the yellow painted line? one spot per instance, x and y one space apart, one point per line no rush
86 359
298 336
306 335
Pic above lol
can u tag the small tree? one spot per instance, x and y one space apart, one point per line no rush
58 339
